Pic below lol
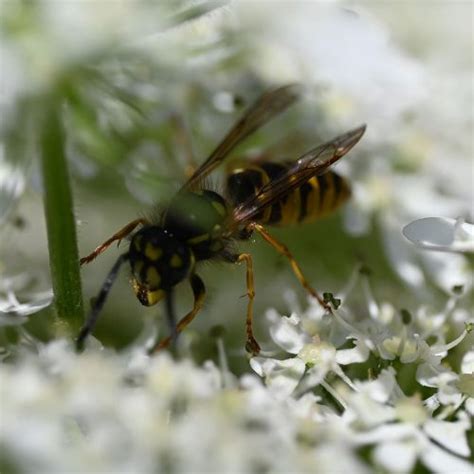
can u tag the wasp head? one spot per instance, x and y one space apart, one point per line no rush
159 261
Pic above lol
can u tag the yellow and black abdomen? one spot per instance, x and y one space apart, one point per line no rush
315 198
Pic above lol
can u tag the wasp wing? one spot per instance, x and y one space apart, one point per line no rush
313 163
268 106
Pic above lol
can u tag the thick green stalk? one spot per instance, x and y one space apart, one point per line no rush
61 228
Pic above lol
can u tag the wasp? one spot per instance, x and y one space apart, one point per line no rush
199 224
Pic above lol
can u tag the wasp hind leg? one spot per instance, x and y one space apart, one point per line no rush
251 345
118 236
283 249
199 292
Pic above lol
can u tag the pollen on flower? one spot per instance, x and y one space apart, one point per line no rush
411 410
317 353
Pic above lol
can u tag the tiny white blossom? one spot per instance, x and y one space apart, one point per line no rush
281 377
15 307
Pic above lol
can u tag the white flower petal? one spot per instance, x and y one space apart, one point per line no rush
441 233
286 332
411 410
451 435
369 412
281 376
321 355
467 364
396 456
430 376
387 433
382 389
448 270
470 406
441 461
359 353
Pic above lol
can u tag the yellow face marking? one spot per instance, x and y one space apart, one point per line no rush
219 207
176 261
154 296
153 278
198 239
152 252
145 296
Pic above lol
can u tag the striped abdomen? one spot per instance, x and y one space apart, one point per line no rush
317 197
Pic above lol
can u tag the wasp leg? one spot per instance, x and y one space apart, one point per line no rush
283 249
121 234
199 292
99 302
251 344
171 316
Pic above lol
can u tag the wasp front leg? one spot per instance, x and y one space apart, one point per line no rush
118 236
99 302
199 292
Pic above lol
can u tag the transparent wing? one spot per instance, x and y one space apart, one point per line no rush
313 163
268 106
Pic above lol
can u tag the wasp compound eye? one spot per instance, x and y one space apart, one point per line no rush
158 260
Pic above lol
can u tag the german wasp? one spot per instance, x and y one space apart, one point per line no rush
199 224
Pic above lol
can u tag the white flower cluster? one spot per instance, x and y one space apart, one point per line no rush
348 394
404 400
101 412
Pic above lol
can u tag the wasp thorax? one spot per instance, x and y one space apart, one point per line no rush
159 261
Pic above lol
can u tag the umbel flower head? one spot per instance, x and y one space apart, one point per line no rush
338 389
423 417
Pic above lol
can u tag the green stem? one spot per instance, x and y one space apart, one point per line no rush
59 211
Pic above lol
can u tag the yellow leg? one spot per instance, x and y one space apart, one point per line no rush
283 249
199 292
251 345
121 234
